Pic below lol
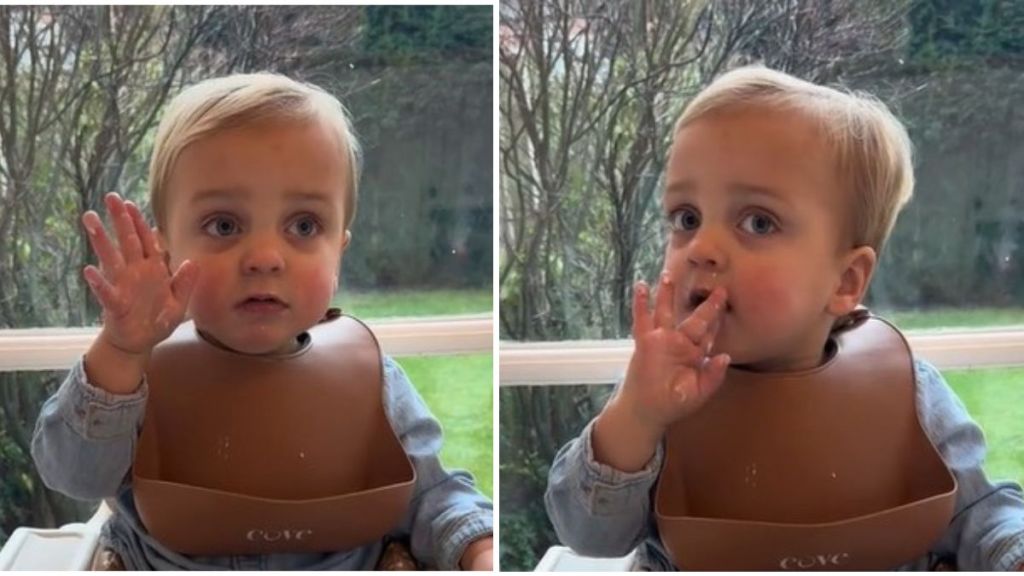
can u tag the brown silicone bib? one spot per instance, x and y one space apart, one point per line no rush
244 455
827 468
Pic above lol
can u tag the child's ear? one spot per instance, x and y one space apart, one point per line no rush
857 266
346 239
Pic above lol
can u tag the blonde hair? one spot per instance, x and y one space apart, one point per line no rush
871 147
239 100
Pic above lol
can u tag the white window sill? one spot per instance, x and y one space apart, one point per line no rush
604 361
59 348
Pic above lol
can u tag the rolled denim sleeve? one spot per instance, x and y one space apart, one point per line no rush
987 530
596 509
84 438
447 513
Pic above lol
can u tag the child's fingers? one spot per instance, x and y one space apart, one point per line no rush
708 313
642 322
100 288
183 281
143 231
708 340
110 259
695 329
687 353
680 394
131 248
663 301
713 374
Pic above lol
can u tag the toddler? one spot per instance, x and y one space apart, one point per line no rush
253 185
779 197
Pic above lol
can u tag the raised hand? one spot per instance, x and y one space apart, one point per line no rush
671 374
142 302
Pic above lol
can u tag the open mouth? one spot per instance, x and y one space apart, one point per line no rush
699 295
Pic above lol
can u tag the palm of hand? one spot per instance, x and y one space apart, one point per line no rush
142 302
143 310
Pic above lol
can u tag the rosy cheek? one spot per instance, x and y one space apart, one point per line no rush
316 284
675 262
206 296
765 293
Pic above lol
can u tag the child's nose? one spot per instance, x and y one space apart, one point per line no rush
263 256
705 252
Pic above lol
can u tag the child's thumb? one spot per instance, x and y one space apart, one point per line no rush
184 280
713 374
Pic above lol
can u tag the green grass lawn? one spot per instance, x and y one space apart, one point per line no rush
995 398
954 317
405 303
458 391
457 388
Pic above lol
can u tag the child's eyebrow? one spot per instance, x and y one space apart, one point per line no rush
218 194
744 189
689 187
683 187
310 196
212 194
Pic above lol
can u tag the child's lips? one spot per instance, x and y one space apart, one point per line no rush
262 305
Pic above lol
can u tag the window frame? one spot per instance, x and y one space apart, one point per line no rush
566 363
37 349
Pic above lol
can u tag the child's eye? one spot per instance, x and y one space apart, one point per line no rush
684 219
758 224
221 226
304 227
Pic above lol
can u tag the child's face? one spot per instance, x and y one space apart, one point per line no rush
754 206
261 210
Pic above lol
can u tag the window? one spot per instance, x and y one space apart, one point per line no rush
589 95
88 85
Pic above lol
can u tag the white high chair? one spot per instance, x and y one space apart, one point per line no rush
563 559
70 547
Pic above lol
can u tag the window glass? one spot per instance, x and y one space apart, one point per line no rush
589 94
83 91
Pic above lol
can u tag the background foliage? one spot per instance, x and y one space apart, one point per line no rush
81 91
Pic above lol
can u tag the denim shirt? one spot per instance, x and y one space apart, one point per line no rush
600 511
85 439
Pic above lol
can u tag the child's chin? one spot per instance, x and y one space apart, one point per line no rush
737 356
268 347
255 346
